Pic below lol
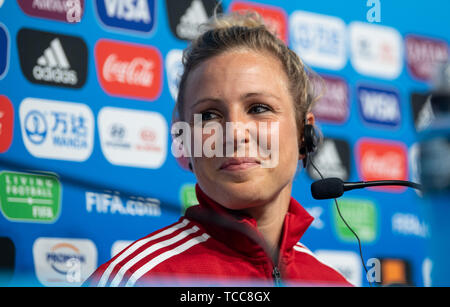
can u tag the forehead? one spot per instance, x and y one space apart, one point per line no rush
236 72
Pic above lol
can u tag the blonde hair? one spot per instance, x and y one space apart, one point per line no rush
247 30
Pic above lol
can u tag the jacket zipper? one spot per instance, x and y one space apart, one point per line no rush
276 276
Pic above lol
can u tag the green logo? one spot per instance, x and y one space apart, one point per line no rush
30 197
360 215
187 196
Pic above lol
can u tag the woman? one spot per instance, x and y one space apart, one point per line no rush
246 228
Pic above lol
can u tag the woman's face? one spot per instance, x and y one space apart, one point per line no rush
247 88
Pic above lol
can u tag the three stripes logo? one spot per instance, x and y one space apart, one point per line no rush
186 17
52 59
54 66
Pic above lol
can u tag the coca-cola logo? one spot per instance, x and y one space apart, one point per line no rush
128 70
381 165
137 72
382 160
6 123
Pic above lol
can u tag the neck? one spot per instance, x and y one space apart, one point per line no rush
270 219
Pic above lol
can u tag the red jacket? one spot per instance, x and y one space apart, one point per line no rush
212 245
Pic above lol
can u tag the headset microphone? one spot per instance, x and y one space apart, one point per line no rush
329 188
332 188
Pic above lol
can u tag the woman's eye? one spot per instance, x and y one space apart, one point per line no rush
259 108
207 115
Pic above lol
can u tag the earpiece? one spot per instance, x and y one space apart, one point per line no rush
310 142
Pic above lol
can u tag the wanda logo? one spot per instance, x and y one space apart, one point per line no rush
129 70
380 160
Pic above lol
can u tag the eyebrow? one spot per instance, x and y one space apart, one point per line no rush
242 97
265 94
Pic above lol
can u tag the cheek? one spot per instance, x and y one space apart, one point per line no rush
289 147
278 146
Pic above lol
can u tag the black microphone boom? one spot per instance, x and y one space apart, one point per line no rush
329 188
365 184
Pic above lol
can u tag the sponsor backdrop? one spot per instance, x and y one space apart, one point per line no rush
87 90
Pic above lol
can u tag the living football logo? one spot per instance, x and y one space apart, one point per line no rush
185 17
52 59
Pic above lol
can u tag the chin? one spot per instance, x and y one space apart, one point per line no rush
241 195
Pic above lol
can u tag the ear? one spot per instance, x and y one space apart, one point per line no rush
183 158
309 120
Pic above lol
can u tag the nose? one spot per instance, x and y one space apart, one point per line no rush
239 130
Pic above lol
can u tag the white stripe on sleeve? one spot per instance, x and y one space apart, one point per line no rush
163 257
133 247
153 248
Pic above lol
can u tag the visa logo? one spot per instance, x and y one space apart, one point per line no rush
129 10
4 51
136 15
379 106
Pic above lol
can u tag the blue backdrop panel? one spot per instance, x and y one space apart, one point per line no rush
87 90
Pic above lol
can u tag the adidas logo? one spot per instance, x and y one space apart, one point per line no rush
53 66
330 161
425 116
194 16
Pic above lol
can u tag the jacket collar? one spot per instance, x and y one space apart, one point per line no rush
239 231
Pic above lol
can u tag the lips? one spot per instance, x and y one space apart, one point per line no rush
234 164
